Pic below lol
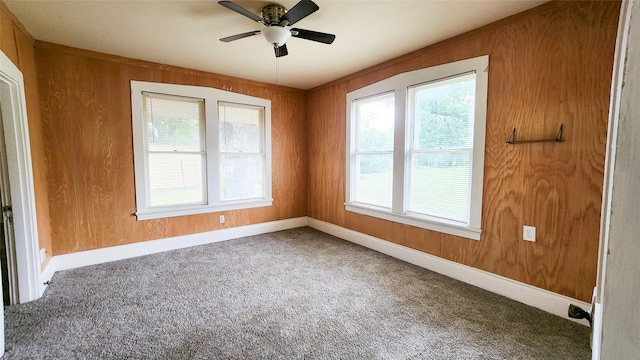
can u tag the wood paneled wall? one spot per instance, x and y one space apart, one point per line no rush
86 109
18 45
548 66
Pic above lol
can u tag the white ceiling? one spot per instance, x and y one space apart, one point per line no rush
186 33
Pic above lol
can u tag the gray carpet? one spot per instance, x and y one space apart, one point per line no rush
292 294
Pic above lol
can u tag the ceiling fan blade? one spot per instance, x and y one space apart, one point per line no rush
281 51
313 35
299 11
240 36
242 11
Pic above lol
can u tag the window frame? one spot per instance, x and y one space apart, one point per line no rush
202 152
262 145
356 144
400 85
213 202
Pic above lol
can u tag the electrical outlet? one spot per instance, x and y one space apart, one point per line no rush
221 219
529 233
43 255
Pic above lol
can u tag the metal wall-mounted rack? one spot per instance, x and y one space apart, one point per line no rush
512 138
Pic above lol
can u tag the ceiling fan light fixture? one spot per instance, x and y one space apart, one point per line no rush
276 35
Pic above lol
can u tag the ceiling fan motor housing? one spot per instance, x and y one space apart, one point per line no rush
272 13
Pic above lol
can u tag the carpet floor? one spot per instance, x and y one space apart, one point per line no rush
292 294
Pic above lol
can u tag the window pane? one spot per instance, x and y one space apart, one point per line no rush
444 113
375 117
374 179
240 128
439 184
241 176
175 179
173 123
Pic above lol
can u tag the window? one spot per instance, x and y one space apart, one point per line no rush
241 151
373 182
174 149
416 147
440 147
199 150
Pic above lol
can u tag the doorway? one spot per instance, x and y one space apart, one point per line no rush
19 216
7 244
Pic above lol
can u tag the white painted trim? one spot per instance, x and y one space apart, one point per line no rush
596 331
542 299
212 98
18 145
399 85
617 80
47 275
114 253
443 225
149 214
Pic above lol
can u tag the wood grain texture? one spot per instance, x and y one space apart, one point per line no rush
548 66
539 89
26 57
18 45
86 107
7 37
326 116
587 102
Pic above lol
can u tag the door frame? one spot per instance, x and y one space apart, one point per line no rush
617 81
7 239
18 147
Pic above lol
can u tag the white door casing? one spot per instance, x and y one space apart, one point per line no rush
6 214
16 135
615 312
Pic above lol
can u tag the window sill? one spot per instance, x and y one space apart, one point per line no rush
200 209
451 228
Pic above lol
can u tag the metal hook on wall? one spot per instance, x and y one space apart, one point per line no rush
512 138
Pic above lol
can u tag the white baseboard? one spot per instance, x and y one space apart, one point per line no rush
542 299
530 295
596 327
98 256
46 275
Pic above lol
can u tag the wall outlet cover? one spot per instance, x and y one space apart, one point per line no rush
529 233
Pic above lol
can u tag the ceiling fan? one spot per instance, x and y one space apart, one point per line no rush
276 18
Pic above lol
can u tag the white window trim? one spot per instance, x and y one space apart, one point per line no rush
400 84
211 96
